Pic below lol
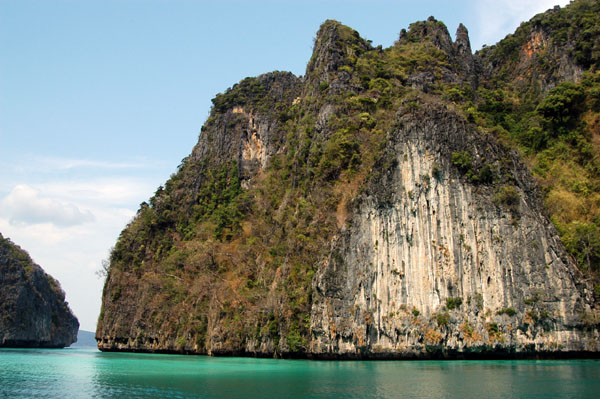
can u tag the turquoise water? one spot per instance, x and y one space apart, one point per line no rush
87 373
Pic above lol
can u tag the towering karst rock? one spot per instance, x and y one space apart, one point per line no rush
33 311
369 209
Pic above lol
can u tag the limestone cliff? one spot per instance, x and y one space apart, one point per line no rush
33 311
376 207
430 265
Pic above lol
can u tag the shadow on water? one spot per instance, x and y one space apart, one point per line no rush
88 373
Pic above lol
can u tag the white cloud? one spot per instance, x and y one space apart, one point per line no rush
24 204
68 224
96 180
497 18
68 163
105 191
37 216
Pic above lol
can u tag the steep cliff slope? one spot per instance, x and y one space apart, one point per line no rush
33 311
370 209
540 94
430 264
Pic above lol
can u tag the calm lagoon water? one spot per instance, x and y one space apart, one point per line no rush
88 373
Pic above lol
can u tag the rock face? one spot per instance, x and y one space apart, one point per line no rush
542 53
430 265
33 311
361 211
459 63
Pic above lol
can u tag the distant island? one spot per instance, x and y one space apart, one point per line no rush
413 202
85 339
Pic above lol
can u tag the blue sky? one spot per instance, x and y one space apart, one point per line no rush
100 101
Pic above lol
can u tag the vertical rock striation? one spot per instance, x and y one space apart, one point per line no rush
432 265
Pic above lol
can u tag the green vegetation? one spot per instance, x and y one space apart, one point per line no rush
222 198
442 319
463 161
559 138
533 300
436 171
556 130
18 257
493 329
248 91
510 312
341 152
453 303
507 196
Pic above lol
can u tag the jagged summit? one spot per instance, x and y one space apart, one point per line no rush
336 46
335 41
436 33
450 62
432 30
462 44
247 105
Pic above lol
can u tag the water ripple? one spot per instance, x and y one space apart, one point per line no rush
87 373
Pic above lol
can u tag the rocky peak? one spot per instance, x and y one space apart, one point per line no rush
431 30
462 45
336 45
464 56
242 111
432 37
437 34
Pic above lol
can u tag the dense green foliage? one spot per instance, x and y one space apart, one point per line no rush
453 303
557 130
559 138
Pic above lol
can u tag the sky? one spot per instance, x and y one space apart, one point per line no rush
100 100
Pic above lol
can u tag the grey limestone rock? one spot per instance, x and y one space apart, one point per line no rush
433 265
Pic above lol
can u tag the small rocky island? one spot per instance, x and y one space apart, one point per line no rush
33 310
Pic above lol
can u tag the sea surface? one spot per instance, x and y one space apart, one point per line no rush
88 373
